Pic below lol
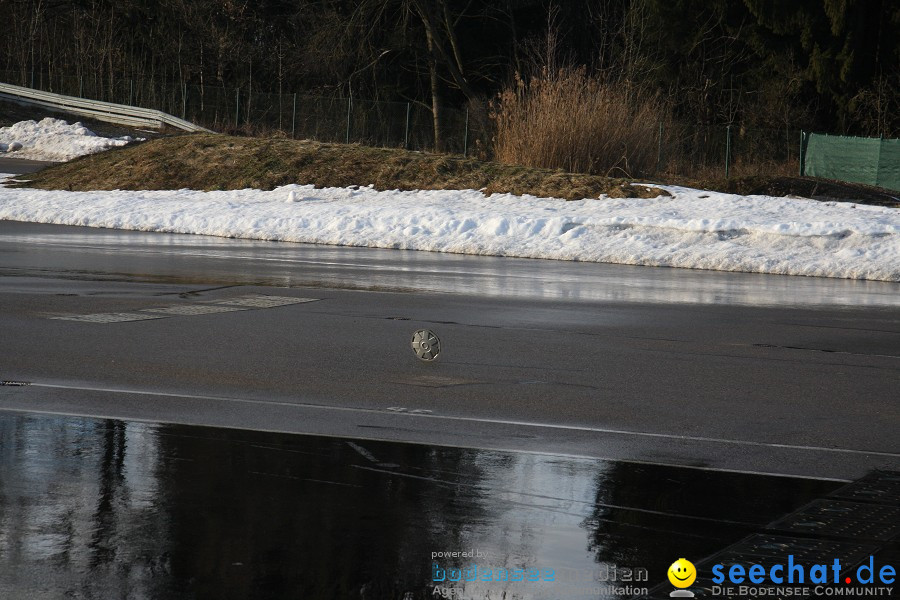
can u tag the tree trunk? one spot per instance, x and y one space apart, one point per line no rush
436 108
437 50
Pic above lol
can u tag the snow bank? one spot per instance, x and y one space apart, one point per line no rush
53 139
693 229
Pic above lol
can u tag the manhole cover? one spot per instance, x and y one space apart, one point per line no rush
426 345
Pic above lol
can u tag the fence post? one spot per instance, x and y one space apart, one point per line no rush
406 132
727 151
349 109
466 135
802 169
237 106
659 148
81 86
294 118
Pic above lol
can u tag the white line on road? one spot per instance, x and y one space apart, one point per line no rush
580 428
359 436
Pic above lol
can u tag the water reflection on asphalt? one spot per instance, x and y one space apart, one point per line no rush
86 253
94 508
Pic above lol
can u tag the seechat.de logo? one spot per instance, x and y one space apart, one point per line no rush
794 573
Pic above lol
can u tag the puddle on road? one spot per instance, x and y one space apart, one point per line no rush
95 508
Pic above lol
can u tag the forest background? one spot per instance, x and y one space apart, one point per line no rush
630 86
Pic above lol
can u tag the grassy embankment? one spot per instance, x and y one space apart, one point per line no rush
219 162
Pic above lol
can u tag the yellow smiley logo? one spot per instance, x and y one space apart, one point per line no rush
682 573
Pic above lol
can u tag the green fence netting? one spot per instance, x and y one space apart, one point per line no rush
872 161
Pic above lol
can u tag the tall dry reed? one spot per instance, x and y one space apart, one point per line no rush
573 121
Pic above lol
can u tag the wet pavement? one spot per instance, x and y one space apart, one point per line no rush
752 389
22 165
742 372
100 508
93 254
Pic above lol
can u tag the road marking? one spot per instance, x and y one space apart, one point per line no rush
261 301
690 438
193 309
434 381
364 453
437 444
247 302
582 428
108 317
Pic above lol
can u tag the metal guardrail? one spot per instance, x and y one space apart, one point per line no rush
120 114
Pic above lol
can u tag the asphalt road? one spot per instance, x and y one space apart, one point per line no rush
715 370
96 508
19 165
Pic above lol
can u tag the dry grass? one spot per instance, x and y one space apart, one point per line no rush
792 185
219 162
569 120
739 170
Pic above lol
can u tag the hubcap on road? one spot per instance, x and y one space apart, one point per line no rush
426 345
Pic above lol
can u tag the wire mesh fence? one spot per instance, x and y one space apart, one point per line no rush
690 150
723 150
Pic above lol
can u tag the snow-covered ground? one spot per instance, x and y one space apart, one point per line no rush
692 228
54 140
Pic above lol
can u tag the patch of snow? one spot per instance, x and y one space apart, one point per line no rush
54 140
691 229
